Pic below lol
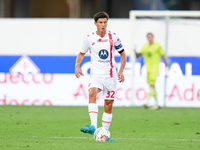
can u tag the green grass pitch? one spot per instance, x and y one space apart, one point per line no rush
57 128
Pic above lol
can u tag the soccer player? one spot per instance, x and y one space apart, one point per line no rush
152 52
101 44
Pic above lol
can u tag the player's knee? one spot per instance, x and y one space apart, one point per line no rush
92 94
108 106
109 102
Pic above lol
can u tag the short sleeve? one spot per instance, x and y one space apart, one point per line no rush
85 46
118 44
160 51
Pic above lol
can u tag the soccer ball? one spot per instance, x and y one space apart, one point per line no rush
101 135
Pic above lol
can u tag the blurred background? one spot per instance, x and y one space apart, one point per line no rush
40 39
39 43
87 8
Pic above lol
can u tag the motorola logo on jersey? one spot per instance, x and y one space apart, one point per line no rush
103 54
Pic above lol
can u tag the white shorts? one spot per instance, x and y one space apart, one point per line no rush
107 84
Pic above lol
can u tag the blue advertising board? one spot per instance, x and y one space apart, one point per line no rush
65 64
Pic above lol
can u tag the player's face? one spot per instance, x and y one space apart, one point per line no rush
150 38
101 24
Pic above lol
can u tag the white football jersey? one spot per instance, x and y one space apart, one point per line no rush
102 53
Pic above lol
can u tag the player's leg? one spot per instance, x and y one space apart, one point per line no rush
93 111
152 91
151 79
94 88
109 92
155 97
107 115
93 107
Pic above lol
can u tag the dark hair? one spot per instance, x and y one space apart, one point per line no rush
149 33
100 15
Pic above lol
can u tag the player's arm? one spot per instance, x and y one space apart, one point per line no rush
78 71
161 53
84 49
119 47
123 63
165 60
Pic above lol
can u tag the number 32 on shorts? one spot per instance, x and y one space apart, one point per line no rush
110 94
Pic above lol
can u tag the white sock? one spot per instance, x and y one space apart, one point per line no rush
106 120
93 112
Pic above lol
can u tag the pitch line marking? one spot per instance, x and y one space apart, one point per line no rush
140 139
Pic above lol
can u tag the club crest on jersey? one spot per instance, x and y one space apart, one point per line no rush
103 54
149 54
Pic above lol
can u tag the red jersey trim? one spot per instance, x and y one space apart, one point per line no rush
111 47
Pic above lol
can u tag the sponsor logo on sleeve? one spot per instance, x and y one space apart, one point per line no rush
118 40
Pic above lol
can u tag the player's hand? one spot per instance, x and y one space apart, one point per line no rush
120 77
78 71
137 54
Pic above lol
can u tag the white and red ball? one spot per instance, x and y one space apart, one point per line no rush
101 135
